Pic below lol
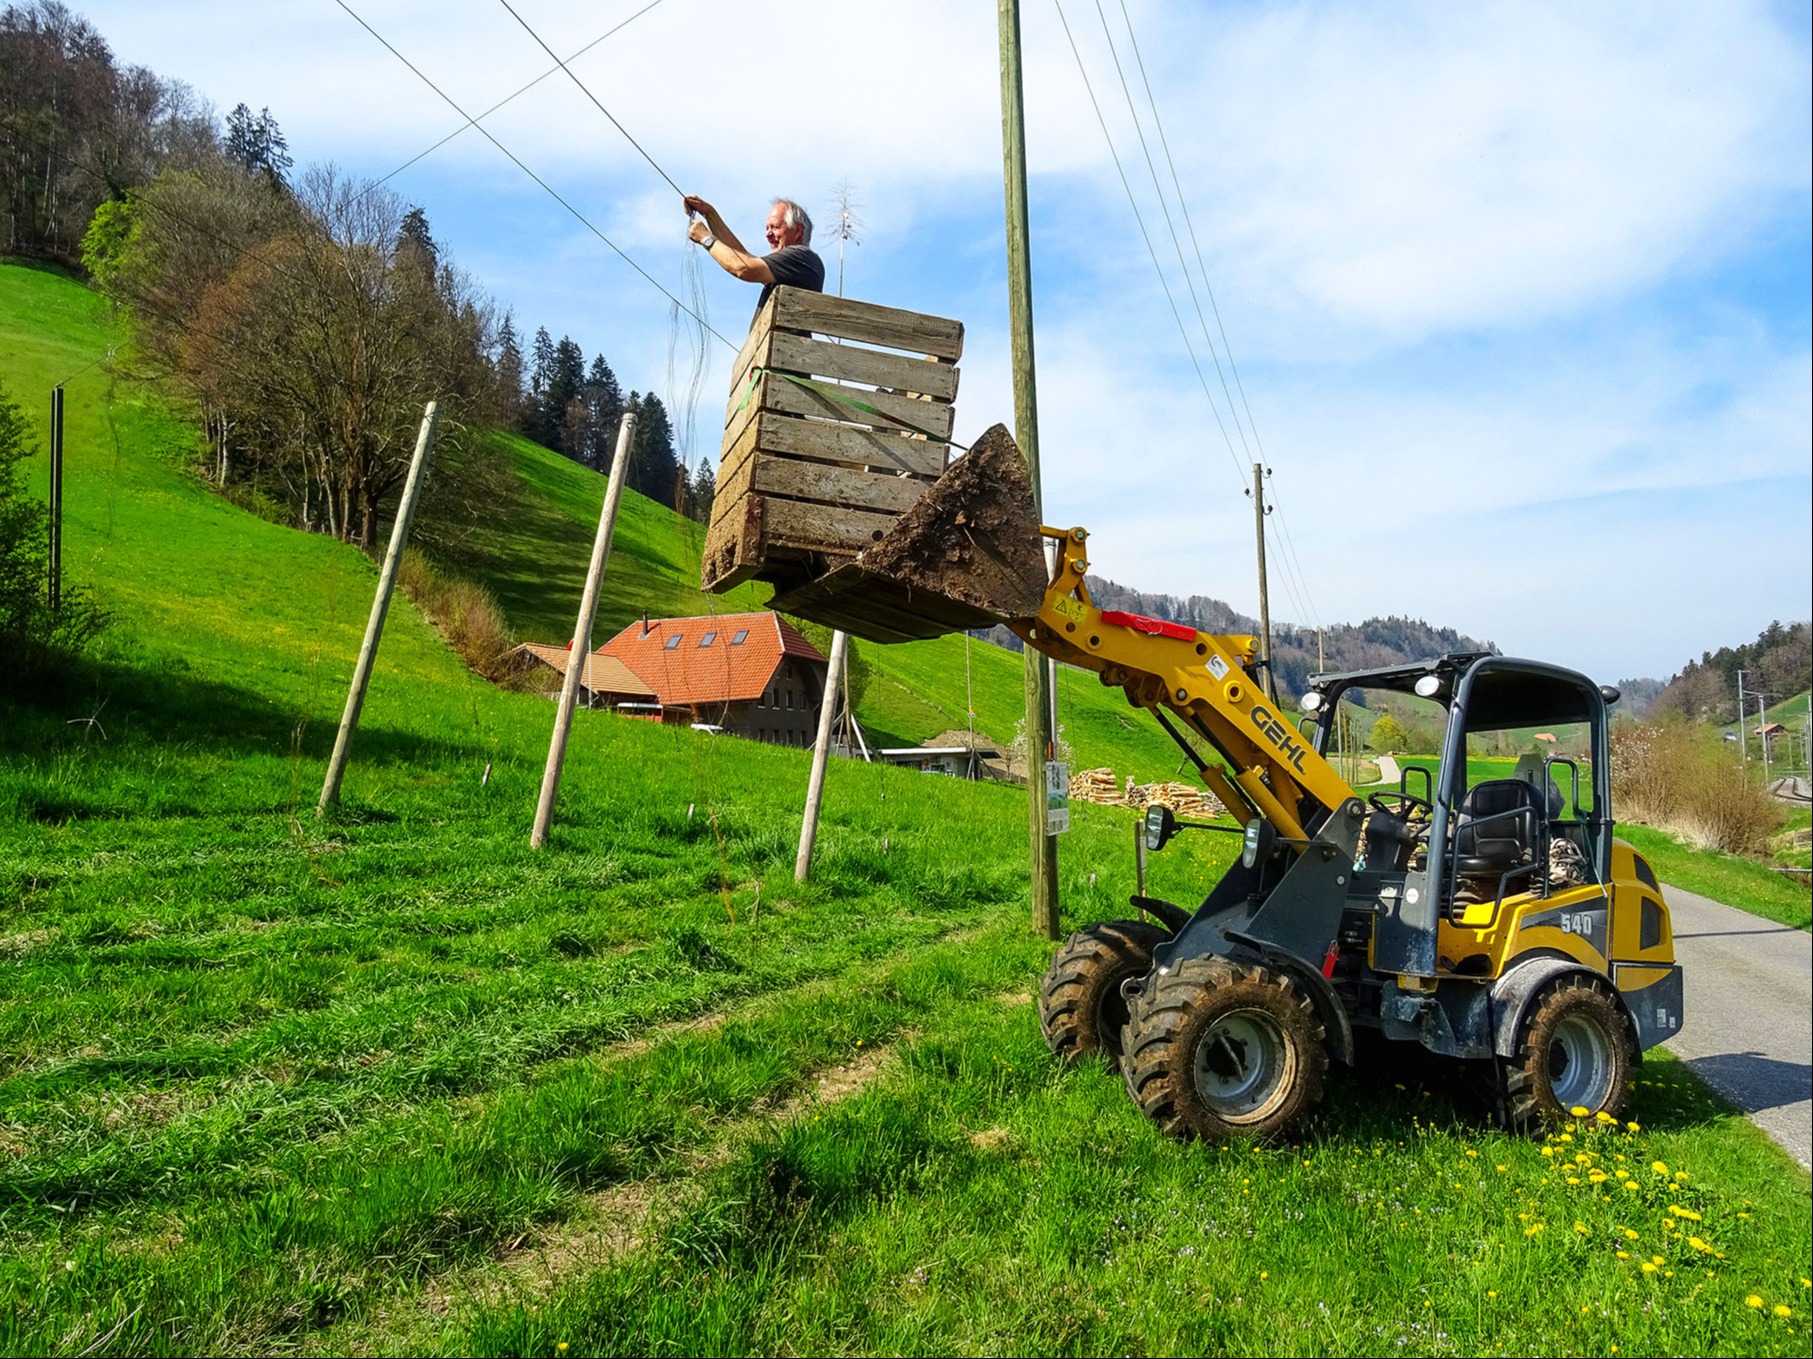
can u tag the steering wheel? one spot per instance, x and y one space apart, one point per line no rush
1407 804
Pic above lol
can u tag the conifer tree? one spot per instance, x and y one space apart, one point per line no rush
257 143
704 491
509 370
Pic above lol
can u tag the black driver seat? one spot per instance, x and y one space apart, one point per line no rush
1500 827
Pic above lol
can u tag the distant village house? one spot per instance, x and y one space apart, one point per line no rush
746 674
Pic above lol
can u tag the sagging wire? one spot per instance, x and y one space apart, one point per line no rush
516 160
1146 236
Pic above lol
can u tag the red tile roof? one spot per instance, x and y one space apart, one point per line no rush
722 671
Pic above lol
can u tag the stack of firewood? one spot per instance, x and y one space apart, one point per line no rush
1101 785
1182 798
1097 785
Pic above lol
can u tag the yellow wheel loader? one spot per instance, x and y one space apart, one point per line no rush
1491 918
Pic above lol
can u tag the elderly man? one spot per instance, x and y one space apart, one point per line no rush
791 262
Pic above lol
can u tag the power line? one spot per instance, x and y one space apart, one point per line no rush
1202 269
1147 237
546 187
589 95
474 122
1182 204
1170 226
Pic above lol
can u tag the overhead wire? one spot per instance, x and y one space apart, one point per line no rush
549 189
1145 235
1170 226
1293 561
589 95
521 90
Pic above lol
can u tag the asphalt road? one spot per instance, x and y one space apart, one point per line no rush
1749 1022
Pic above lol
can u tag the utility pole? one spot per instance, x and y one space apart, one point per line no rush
840 643
54 585
1026 432
582 634
1743 741
1265 604
380 606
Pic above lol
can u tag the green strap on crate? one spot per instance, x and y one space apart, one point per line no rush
842 396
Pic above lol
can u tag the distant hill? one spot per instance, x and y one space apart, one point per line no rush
1345 646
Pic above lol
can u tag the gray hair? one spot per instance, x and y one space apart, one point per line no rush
796 217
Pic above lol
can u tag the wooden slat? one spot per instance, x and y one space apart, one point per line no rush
867 323
789 398
851 444
879 491
847 363
821 528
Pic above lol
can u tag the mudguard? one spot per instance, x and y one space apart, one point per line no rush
1523 981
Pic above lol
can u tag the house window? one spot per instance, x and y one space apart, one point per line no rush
671 642
708 639
790 700
741 637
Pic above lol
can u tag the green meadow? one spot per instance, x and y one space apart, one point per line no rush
392 1082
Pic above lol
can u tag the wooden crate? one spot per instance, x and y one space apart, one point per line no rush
806 480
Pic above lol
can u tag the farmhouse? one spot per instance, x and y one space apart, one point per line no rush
751 674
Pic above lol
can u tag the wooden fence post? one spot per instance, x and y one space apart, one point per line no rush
582 634
821 750
380 606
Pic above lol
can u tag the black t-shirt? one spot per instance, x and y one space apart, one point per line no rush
793 266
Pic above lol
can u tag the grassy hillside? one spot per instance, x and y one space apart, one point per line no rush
394 1083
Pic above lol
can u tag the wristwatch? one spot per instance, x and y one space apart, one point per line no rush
709 241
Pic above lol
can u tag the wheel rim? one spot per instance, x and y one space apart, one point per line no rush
1242 1065
1580 1063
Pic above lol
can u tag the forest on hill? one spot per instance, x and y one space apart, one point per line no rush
305 319
1777 665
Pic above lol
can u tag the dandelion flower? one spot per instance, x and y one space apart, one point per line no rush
1624 1174
1264 1275
1783 1312
1548 1151
1660 1167
1581 1228
1624 1255
1532 1229
1657 1258
1573 1179
1629 1235
1501 1170
1491 1292
1681 1175
1604 1117
1648 1268
1578 1111
1754 1301
1634 1127
1699 1245
1687 1213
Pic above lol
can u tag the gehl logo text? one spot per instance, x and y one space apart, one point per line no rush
1279 735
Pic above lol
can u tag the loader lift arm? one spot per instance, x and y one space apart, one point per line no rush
1208 681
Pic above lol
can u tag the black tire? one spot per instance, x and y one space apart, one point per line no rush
1080 1005
1575 1050
1218 1049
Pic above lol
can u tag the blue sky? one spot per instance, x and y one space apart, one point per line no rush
1519 293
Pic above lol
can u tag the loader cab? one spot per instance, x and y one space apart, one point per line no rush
1518 803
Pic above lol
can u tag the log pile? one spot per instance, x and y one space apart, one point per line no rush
1186 800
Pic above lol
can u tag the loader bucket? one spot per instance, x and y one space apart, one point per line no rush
967 554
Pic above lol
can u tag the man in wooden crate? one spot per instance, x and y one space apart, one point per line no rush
791 263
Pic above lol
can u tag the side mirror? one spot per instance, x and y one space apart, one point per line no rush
1259 842
1161 825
